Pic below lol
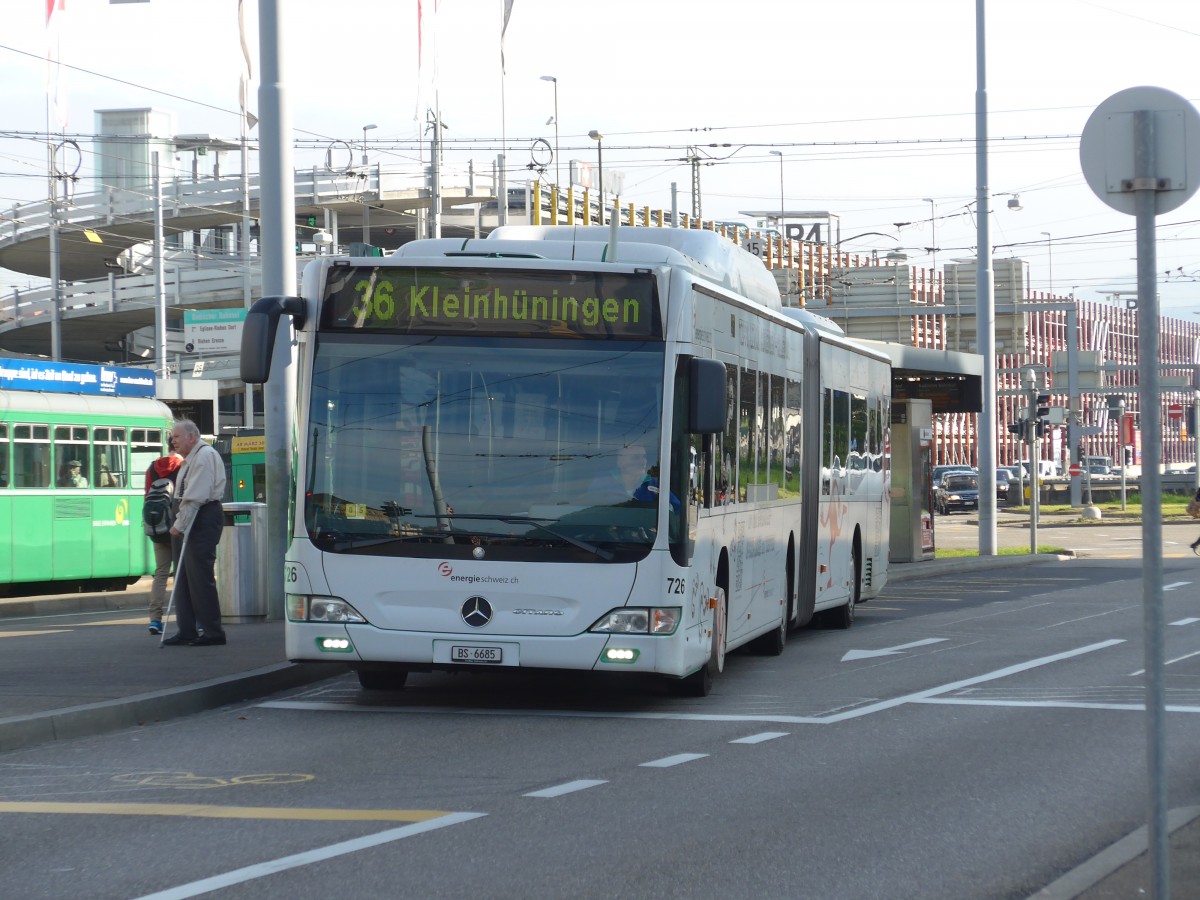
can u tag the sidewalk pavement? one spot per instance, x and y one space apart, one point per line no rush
110 673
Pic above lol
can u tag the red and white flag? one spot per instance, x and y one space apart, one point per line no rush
508 5
56 85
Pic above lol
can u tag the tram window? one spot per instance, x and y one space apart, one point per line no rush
31 456
146 445
4 448
109 458
71 446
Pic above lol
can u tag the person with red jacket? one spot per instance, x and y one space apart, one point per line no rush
165 552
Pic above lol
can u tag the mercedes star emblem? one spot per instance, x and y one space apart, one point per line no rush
476 612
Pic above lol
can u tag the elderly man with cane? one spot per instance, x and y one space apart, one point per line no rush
200 486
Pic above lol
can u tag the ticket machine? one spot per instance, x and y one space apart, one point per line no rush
912 537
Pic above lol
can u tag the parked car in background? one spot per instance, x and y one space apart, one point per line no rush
939 471
956 490
1004 480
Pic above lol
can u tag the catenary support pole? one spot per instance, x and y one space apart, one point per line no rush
277 216
985 313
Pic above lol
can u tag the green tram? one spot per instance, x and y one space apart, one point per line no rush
64 526
245 457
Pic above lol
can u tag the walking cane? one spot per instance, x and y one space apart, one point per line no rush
174 585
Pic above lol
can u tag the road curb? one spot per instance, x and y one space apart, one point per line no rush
19 732
931 568
1090 873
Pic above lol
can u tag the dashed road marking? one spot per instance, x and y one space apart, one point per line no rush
569 788
760 737
678 759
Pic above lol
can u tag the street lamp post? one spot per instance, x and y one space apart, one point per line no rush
554 80
366 231
779 153
599 139
933 233
1050 261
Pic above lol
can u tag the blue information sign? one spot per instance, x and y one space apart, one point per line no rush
75 378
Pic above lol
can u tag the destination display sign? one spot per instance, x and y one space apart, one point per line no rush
491 302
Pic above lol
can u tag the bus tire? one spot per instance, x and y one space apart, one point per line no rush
716 656
382 679
698 684
773 642
843 616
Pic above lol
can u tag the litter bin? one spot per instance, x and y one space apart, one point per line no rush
241 563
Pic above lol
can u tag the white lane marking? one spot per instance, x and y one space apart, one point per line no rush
1054 704
678 759
1190 621
569 788
326 706
259 870
967 682
760 737
1175 585
1168 662
890 651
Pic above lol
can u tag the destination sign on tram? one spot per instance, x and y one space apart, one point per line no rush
492 302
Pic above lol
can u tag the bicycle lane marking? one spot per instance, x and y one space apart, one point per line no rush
320 854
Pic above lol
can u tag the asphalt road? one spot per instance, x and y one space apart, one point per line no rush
972 736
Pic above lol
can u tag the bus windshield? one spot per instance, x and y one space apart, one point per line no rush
511 448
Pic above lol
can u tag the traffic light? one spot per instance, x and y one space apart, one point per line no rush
1017 427
1043 406
1040 428
311 222
1116 405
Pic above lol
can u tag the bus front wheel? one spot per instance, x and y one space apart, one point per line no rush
699 683
382 679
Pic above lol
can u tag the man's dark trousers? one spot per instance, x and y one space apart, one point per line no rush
196 593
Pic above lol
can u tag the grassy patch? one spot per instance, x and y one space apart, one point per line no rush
1003 551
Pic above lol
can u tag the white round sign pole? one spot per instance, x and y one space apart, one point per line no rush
1139 155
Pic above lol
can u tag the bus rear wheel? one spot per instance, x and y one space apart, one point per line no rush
843 616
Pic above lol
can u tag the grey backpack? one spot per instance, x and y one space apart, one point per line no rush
156 510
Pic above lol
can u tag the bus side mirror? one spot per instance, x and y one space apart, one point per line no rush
258 334
706 404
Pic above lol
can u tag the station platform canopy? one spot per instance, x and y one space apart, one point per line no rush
952 380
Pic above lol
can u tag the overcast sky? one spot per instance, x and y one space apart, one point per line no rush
872 104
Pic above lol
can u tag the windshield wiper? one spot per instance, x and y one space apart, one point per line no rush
537 523
378 542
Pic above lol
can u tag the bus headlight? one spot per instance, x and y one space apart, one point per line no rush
308 608
639 620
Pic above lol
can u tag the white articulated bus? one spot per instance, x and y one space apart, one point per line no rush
572 448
